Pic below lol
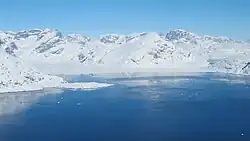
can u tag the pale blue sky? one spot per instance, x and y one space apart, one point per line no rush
92 17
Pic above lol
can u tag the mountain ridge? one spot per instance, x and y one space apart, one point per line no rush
177 49
178 30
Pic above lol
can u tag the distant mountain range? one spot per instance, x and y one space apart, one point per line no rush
49 51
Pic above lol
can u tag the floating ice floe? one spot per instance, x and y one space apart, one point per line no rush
71 86
83 86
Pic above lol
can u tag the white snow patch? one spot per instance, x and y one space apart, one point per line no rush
149 82
84 86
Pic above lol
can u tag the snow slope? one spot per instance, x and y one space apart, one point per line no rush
175 51
17 76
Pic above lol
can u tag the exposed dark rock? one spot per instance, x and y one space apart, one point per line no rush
30 78
246 66
111 38
11 48
179 34
58 51
43 47
82 58
1 42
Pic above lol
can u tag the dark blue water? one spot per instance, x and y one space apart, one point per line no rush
197 110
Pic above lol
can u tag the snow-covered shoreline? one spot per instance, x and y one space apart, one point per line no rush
71 86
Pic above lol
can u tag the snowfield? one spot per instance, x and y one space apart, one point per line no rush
16 76
29 59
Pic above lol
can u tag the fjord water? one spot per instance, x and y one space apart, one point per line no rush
149 109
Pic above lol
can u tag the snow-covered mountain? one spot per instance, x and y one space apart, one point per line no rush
17 76
178 50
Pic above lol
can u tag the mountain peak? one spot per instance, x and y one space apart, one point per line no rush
183 35
180 30
179 34
110 38
151 36
77 38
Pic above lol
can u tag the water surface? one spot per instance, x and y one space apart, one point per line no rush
148 109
